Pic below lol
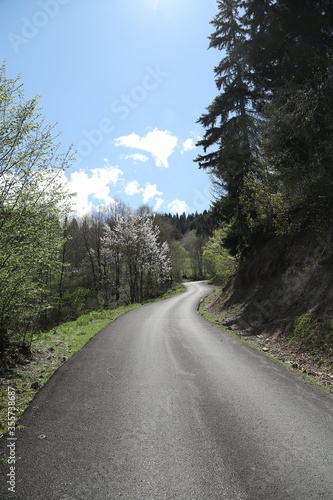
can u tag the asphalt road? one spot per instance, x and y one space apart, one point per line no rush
164 405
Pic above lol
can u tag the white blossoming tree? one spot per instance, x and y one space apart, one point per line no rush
137 263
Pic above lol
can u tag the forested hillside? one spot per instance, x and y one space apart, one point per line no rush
267 143
118 255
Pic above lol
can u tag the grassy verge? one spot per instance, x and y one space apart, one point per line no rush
52 349
217 318
310 365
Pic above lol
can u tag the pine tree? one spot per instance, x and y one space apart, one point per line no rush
291 55
267 134
230 139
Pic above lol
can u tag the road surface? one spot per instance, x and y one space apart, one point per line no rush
164 405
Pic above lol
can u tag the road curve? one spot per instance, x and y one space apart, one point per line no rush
164 405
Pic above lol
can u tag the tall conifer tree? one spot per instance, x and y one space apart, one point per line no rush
229 141
292 59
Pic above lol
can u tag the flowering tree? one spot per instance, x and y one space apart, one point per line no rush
137 262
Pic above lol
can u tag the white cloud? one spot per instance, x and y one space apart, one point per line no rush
188 145
159 143
136 157
150 192
94 184
178 206
158 203
133 188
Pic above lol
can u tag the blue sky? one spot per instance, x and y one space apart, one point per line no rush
125 81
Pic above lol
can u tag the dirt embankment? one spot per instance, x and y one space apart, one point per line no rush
282 300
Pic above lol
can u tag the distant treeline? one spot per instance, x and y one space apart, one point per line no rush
203 224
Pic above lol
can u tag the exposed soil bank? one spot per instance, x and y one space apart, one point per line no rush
282 300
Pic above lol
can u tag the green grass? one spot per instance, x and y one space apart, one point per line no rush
301 329
51 349
215 318
307 331
176 290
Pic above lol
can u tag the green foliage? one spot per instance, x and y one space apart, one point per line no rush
186 235
193 245
301 328
267 140
298 142
76 301
222 264
88 318
32 207
180 260
175 290
309 333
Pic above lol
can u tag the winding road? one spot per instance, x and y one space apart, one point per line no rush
163 404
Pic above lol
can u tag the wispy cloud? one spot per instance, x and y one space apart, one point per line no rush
136 157
93 187
178 206
149 192
158 203
159 143
188 145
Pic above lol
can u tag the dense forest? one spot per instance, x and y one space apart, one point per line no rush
268 133
106 259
